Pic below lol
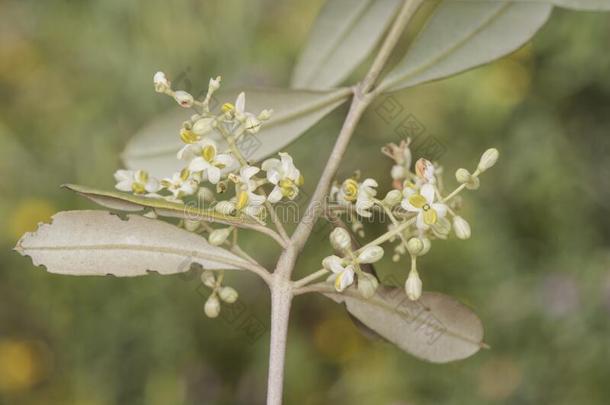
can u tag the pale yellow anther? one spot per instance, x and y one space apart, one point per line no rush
209 153
417 200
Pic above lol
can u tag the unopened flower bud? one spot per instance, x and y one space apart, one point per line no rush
427 246
461 227
183 98
191 225
252 124
398 172
413 285
424 169
392 198
212 306
161 83
488 159
208 279
340 239
219 236
371 254
462 175
203 126
367 285
205 194
224 207
228 294
214 84
415 246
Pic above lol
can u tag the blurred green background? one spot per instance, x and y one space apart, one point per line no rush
76 83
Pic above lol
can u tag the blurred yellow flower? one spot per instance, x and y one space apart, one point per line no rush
19 365
27 215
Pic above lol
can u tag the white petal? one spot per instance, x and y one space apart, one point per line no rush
224 159
152 186
122 175
247 172
441 209
213 174
270 164
124 185
255 199
427 191
369 183
346 278
333 263
420 221
275 195
406 205
198 164
240 103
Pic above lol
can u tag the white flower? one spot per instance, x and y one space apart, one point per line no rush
212 306
246 200
428 212
181 184
137 182
340 240
343 276
204 158
362 194
161 83
284 175
251 122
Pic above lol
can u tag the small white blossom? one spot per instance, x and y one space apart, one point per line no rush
343 276
246 200
361 194
425 171
428 212
284 175
182 183
228 294
204 158
137 182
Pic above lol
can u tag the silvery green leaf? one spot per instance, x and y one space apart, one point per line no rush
120 201
593 5
98 243
460 35
436 328
343 35
154 147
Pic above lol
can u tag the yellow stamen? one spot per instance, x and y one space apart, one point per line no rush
184 174
138 188
242 200
209 153
430 217
188 136
227 107
350 189
417 200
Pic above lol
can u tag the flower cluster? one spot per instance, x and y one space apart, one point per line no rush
417 209
213 166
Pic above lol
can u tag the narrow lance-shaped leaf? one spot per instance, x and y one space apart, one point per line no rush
460 35
97 243
154 148
132 203
343 35
436 328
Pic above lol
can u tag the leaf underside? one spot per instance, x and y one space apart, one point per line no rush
436 328
98 243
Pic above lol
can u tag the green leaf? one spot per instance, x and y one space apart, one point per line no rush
436 328
154 147
593 5
460 35
116 200
343 35
98 243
